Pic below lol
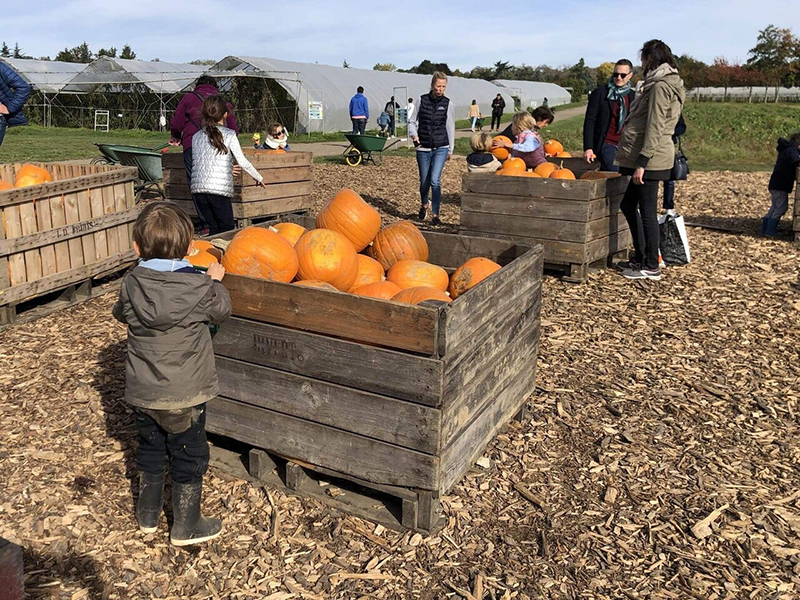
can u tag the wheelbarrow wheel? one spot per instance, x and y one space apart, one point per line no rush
100 160
353 158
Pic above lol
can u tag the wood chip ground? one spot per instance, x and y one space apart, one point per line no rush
658 460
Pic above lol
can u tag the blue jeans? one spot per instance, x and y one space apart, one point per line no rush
669 194
359 126
3 127
431 165
608 152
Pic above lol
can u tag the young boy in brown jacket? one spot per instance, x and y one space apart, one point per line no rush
170 372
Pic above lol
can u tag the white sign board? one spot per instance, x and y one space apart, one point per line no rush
314 111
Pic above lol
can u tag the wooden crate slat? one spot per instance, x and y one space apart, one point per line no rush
59 220
48 252
378 370
88 240
319 444
251 210
33 258
348 409
98 210
120 204
259 159
72 213
345 316
248 193
544 229
13 228
178 177
112 238
446 252
530 186
545 208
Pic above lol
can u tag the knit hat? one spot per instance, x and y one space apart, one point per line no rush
257 136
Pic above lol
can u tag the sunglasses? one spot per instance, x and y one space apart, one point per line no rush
620 75
279 132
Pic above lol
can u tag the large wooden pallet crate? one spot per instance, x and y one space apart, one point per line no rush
59 235
288 190
577 222
398 399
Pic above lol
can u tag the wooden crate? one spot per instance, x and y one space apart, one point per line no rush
396 398
796 216
61 234
288 179
578 222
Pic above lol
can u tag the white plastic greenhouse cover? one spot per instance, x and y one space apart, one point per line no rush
334 86
159 76
48 76
533 93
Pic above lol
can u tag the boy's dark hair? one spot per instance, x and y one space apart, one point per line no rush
656 53
214 109
206 80
162 230
360 90
625 63
542 113
794 139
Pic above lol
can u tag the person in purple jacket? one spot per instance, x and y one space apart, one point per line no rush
187 121
14 91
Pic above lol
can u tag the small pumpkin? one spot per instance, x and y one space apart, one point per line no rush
203 254
562 173
501 153
599 175
563 154
415 295
348 214
5 185
326 255
398 241
384 290
29 174
315 283
291 232
544 169
259 252
553 147
470 274
369 271
416 273
515 165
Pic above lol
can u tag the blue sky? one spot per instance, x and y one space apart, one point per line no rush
462 33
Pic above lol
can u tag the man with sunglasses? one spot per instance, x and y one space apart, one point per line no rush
609 106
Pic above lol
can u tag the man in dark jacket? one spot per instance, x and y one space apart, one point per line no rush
498 106
14 91
187 121
781 183
609 105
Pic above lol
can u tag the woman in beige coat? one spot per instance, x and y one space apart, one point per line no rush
647 153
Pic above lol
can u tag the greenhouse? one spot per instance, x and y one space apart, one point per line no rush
530 94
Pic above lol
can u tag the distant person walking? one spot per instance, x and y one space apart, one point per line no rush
187 121
390 107
14 91
474 114
498 106
410 107
608 109
433 131
647 154
359 112
545 102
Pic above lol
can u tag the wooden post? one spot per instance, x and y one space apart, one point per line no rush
260 464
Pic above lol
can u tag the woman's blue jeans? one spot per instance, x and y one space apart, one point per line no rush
3 126
431 165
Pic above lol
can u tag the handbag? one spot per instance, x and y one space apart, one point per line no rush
680 170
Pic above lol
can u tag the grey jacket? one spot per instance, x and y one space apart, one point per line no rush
647 136
212 172
170 361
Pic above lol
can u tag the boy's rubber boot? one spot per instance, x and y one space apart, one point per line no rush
151 501
772 228
764 225
189 526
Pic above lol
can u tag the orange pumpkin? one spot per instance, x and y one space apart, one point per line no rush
563 155
203 254
326 255
530 174
599 175
501 153
544 169
369 271
562 173
470 274
515 165
4 185
384 290
315 283
507 173
348 214
291 232
259 252
415 273
415 295
398 241
31 175
553 147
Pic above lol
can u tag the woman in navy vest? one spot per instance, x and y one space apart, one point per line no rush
433 130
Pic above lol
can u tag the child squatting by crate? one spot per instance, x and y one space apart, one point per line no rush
525 128
781 183
482 160
170 372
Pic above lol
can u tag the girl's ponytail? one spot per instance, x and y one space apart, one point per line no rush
214 109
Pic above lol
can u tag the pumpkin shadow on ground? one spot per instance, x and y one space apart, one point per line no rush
109 382
61 565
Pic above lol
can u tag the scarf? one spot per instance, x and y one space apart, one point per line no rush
650 79
617 94
271 142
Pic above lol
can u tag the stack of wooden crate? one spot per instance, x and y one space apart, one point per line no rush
288 190
59 235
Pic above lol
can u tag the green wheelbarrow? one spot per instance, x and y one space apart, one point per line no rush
362 146
110 155
148 164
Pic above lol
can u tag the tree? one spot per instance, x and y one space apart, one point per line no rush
111 52
427 67
127 53
5 51
207 62
776 53
693 72
78 54
501 69
486 73
603 72
579 74
384 67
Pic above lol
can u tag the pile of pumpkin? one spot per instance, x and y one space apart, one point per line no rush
350 252
27 175
516 167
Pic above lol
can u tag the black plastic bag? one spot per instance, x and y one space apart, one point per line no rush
674 242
